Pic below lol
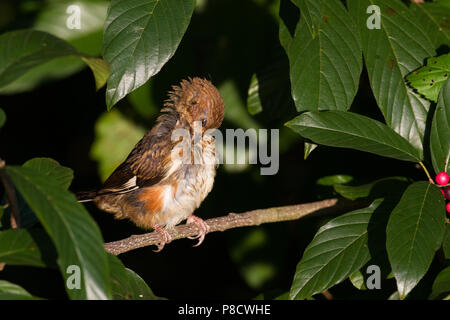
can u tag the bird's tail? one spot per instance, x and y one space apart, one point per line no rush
86 196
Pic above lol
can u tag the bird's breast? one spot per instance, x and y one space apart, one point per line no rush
189 184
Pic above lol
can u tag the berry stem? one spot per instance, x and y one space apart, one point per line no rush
426 172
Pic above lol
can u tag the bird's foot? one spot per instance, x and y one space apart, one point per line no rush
203 228
165 237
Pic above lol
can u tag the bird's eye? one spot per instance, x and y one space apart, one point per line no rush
193 102
204 122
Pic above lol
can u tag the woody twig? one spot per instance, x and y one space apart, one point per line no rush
12 200
233 220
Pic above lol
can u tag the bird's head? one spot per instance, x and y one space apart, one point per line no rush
198 99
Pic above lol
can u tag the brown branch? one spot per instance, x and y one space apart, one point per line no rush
233 220
327 295
12 200
11 195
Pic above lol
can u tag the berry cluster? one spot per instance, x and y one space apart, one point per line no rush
442 179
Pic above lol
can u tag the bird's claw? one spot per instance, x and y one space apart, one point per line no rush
165 237
203 228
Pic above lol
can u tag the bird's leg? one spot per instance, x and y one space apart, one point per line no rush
165 236
203 228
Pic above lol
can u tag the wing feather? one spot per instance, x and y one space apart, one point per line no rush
148 162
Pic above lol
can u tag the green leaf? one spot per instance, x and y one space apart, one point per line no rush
376 189
49 71
334 179
358 281
394 296
21 52
24 49
429 79
61 175
140 36
338 249
126 284
390 53
435 20
253 100
325 57
115 136
308 148
100 69
55 17
440 132
11 291
27 247
2 117
441 284
446 242
415 231
76 236
351 130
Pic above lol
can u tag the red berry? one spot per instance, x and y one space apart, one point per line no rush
446 192
447 207
442 178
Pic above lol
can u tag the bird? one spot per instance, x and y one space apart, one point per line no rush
158 185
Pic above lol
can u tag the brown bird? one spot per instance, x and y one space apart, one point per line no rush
153 188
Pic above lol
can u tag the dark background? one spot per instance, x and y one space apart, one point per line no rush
223 42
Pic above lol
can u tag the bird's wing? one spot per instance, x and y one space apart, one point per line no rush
147 164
